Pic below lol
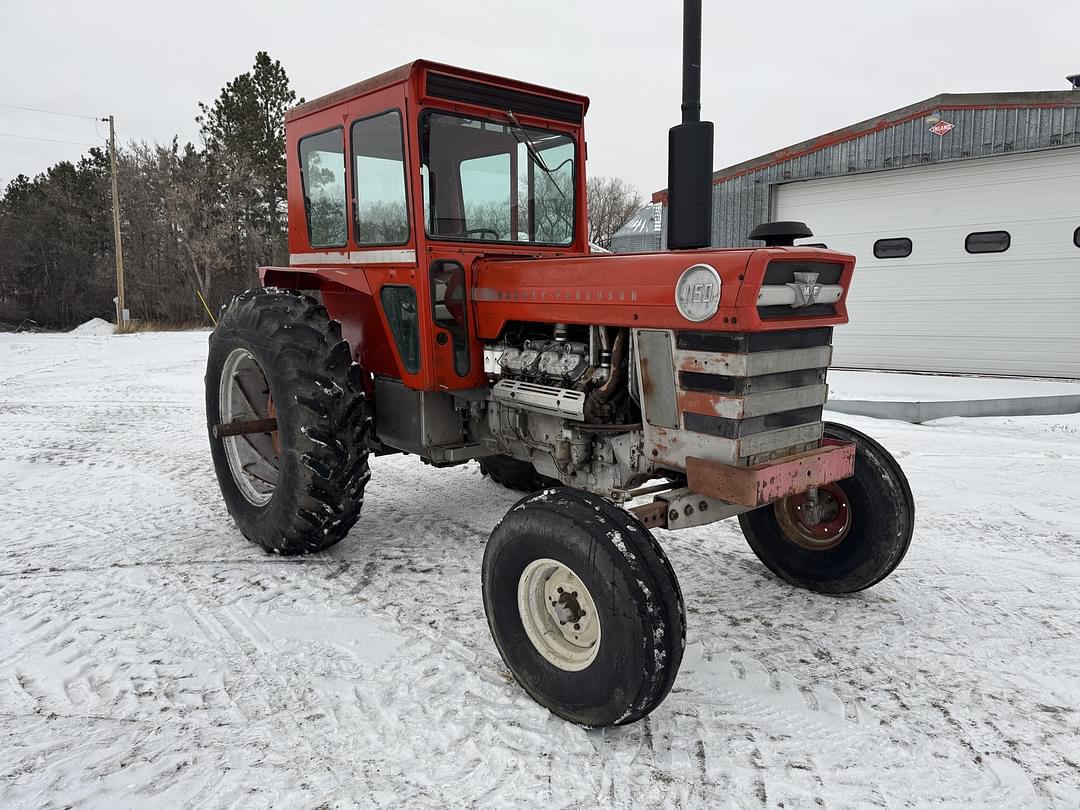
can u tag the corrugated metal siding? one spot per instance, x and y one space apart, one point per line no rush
636 243
743 201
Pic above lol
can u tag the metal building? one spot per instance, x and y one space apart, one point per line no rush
964 214
641 233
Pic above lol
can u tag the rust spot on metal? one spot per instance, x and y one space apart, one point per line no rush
241 428
711 363
766 483
707 404
663 443
647 383
652 515
692 364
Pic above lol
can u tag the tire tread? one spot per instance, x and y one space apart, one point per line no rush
312 365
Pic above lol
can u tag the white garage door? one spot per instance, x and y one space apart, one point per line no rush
943 308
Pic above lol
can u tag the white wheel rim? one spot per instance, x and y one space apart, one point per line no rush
559 615
243 395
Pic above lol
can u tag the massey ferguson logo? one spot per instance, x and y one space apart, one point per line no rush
806 289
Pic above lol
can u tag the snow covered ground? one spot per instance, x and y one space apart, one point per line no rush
150 656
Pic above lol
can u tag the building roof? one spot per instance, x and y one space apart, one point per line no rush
646 222
942 101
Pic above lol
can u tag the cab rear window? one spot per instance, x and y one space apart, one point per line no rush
322 174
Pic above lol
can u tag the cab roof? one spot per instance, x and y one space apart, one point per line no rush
436 80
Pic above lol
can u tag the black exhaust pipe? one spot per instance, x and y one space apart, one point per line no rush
690 148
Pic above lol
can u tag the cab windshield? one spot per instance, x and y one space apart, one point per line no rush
496 181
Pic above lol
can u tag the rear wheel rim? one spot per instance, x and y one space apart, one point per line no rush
829 529
244 395
559 615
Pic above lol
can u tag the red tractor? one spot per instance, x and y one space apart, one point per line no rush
441 299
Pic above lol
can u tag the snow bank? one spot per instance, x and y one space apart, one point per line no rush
94 327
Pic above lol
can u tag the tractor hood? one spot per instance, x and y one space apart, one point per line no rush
758 289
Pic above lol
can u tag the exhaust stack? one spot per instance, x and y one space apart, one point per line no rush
690 148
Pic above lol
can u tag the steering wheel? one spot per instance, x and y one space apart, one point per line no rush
470 231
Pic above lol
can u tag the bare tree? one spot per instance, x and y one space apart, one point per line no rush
194 220
612 201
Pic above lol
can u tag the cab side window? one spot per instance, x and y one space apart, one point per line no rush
322 173
399 305
380 212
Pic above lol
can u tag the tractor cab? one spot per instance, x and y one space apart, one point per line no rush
407 179
428 154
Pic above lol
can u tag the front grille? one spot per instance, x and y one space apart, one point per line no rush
738 428
753 341
721 384
780 274
764 391
772 313
783 272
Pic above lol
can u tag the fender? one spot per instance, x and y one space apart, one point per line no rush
346 293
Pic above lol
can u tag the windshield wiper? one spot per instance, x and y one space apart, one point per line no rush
522 137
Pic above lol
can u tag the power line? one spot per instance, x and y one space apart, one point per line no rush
49 112
47 140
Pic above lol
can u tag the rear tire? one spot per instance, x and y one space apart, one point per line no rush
511 473
299 489
864 536
607 651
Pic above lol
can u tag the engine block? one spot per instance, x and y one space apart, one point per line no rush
562 364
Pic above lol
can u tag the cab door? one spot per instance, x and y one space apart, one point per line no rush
449 289
383 243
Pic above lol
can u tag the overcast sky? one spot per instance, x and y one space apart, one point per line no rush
773 73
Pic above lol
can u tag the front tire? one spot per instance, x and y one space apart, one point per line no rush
299 489
583 607
862 531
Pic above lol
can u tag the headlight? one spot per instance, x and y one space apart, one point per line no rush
697 293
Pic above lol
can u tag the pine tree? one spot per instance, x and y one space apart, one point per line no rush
244 134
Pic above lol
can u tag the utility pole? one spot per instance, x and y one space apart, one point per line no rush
116 228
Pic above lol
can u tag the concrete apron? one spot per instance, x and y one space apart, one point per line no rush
919 412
